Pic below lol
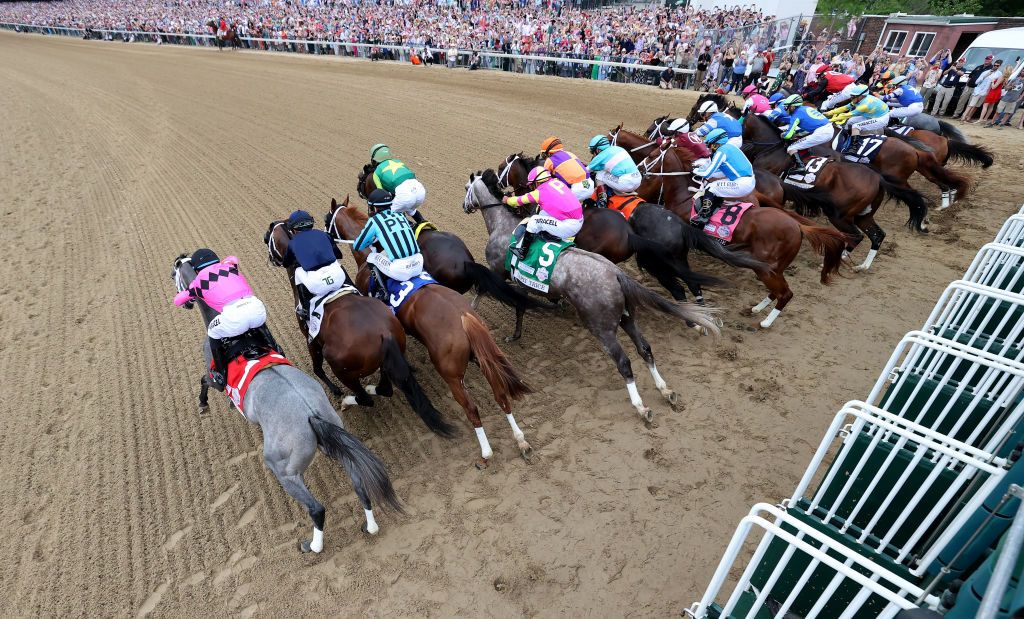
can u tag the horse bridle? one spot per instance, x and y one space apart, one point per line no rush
614 135
504 171
274 256
472 208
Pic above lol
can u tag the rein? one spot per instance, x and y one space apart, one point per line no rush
275 256
502 178
331 225
614 135
471 207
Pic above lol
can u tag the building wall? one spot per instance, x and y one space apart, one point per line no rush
945 35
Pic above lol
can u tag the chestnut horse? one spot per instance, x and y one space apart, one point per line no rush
451 331
660 239
448 260
358 336
944 150
771 235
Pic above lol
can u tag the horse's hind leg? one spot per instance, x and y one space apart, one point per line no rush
458 389
628 324
779 291
288 464
610 343
316 353
359 395
204 391
875 233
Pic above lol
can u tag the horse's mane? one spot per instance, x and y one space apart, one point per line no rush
490 179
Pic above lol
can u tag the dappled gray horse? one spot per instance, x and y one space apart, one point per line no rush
604 296
296 417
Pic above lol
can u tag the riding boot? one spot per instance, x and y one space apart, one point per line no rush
704 211
218 375
377 286
799 167
417 217
518 241
305 298
602 197
268 337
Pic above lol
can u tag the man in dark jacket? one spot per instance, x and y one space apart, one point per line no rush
972 81
949 87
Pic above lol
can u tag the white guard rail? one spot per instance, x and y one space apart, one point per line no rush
1012 232
981 317
999 266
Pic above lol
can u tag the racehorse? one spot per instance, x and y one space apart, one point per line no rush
771 235
296 418
231 36
659 238
448 260
604 296
944 149
358 336
856 189
451 331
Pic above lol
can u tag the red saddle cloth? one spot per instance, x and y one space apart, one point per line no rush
241 371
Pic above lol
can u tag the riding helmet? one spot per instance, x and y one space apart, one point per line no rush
793 100
550 145
858 90
380 152
717 137
202 258
598 143
896 81
776 97
749 90
708 107
537 176
380 199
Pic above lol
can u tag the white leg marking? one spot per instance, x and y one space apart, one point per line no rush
864 266
349 400
945 200
371 389
767 322
485 447
659 382
371 522
516 432
757 309
638 404
318 540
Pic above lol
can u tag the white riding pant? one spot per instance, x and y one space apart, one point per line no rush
409 196
583 190
400 270
820 135
736 141
739 188
324 280
835 99
627 183
866 125
238 317
562 228
906 112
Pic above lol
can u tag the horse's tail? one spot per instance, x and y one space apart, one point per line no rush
696 239
827 243
487 282
810 202
916 143
640 296
951 132
649 253
397 369
506 385
360 463
946 177
906 195
969 153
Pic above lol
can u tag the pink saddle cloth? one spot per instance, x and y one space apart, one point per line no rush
724 220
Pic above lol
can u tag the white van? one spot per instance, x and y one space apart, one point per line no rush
1006 45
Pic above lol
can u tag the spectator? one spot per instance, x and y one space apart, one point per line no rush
931 82
972 82
1008 103
983 84
995 94
666 78
949 82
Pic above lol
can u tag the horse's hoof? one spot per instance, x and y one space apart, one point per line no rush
692 325
306 545
860 268
675 401
526 451
203 408
481 464
646 414
512 338
335 391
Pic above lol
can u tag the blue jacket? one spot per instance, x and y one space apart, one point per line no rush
392 232
779 114
615 160
904 95
311 249
804 120
719 120
728 161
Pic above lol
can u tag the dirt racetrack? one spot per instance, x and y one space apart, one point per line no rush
116 498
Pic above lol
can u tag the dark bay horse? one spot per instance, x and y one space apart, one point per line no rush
231 36
773 236
448 260
296 419
358 336
451 331
605 298
857 190
660 240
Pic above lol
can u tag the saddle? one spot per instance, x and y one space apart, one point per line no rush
251 345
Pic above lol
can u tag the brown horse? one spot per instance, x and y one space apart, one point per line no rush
448 260
451 331
771 235
660 240
228 37
944 150
358 336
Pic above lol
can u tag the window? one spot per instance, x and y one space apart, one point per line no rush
921 43
894 42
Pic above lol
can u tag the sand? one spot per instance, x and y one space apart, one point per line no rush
117 498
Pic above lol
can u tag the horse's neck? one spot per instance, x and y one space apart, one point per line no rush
499 220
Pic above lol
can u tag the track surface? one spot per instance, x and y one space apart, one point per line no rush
117 499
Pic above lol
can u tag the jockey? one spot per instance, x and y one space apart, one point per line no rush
904 101
559 212
869 112
567 168
612 166
221 286
831 83
808 125
400 259
713 119
396 178
778 114
315 258
689 142
728 164
756 102
222 28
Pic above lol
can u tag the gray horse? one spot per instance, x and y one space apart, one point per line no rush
939 127
296 418
604 296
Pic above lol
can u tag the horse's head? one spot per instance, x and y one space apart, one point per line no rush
344 221
654 131
482 192
512 173
365 177
276 239
183 274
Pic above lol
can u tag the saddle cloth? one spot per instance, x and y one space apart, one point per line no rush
805 180
536 269
317 305
723 222
242 370
400 292
861 148
624 204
